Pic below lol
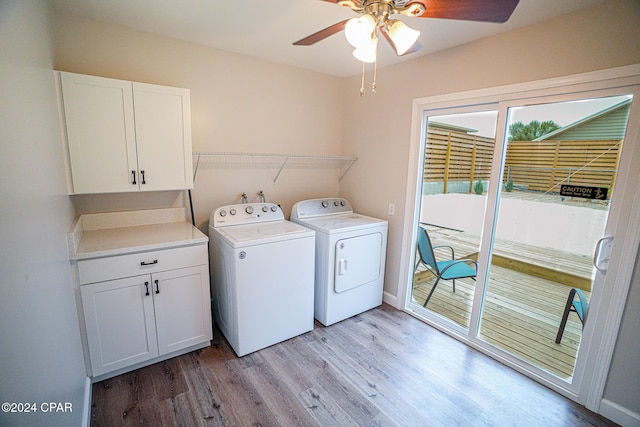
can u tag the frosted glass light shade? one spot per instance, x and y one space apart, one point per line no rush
367 52
359 30
402 36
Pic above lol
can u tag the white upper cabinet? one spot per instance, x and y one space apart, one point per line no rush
163 135
126 136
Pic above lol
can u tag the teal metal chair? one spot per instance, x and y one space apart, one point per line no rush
451 269
579 306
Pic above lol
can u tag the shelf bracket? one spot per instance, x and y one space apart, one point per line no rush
346 170
195 169
286 159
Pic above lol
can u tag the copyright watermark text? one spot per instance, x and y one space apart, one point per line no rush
46 407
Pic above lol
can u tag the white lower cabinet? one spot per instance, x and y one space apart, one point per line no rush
120 322
181 308
137 319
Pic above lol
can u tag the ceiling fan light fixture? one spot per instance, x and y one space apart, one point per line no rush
360 30
367 52
403 37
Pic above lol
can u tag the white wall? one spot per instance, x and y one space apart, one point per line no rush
568 228
238 104
40 352
622 390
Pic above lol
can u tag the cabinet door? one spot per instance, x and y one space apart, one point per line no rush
183 308
119 318
163 135
101 133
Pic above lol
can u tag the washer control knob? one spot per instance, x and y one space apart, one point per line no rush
325 204
223 213
249 210
273 209
232 211
342 203
336 203
265 209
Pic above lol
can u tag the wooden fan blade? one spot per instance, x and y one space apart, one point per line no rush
322 34
469 10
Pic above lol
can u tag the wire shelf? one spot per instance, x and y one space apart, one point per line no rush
267 160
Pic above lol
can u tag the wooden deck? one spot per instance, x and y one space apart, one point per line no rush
523 308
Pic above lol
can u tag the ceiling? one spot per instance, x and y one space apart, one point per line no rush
267 29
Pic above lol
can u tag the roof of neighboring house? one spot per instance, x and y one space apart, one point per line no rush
608 124
446 126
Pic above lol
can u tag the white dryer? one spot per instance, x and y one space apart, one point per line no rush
262 275
350 257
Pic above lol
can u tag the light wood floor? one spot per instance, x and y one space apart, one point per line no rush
380 368
522 312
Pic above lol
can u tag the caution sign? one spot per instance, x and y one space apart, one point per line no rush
599 193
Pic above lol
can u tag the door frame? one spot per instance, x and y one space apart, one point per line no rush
606 316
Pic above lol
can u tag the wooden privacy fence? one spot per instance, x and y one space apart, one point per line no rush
545 165
533 165
457 156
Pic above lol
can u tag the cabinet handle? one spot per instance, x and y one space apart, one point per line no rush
133 175
157 286
146 286
155 261
143 181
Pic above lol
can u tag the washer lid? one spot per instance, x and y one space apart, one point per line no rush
341 223
261 233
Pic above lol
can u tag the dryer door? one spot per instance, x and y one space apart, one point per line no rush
357 261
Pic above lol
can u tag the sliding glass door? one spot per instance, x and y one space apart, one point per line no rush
458 155
558 181
520 192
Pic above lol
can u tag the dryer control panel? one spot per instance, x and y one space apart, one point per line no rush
245 213
320 207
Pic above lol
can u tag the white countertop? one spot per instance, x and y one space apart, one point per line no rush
94 241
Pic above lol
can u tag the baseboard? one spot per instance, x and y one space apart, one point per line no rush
86 410
390 299
619 414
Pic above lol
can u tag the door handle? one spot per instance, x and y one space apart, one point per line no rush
342 267
602 254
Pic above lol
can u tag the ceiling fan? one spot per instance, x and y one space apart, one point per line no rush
377 14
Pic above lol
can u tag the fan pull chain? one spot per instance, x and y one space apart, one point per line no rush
375 65
362 84
375 73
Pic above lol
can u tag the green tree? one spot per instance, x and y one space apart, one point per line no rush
518 131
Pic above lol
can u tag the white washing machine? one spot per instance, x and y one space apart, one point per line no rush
262 275
350 256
